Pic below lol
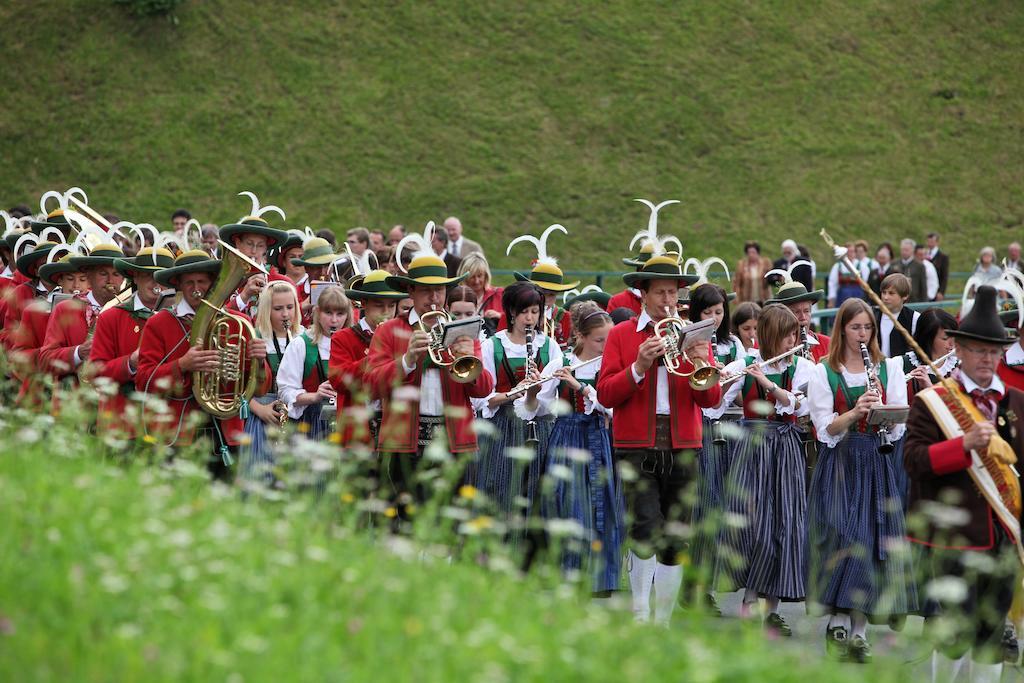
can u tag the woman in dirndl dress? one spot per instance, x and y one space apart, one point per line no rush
931 335
766 484
711 301
302 378
860 566
277 322
586 488
508 467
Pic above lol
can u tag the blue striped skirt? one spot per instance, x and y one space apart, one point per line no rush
501 472
312 423
585 489
709 507
257 457
765 536
859 558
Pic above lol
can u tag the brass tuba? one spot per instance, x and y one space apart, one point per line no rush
222 392
704 375
462 369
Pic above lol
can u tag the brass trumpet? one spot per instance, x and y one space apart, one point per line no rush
704 375
462 369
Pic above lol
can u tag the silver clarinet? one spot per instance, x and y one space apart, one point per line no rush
885 446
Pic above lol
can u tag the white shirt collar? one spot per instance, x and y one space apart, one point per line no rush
40 287
812 340
8 273
414 317
970 385
92 300
183 308
365 325
643 319
635 292
137 304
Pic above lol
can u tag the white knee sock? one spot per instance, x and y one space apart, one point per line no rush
641 577
667 580
839 620
986 673
772 605
860 626
944 669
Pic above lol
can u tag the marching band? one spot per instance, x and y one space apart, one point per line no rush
691 446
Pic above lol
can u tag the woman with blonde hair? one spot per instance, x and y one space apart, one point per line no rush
488 298
860 567
277 323
766 484
303 374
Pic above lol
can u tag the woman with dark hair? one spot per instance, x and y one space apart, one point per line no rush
711 301
499 468
744 325
931 335
748 280
589 491
859 564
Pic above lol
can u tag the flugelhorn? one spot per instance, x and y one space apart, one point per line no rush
669 330
462 369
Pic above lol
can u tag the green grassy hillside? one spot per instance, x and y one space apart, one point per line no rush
881 119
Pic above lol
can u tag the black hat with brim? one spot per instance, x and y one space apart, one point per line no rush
194 261
49 272
794 293
1010 319
600 298
145 262
254 226
100 255
660 268
374 286
30 259
983 323
424 271
55 219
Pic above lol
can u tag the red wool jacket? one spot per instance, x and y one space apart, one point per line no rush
625 299
634 405
13 306
400 421
116 338
347 372
68 328
164 341
26 339
1012 375
821 350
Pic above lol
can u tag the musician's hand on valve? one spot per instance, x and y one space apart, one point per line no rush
977 437
253 286
419 343
256 349
699 350
198 360
491 315
650 350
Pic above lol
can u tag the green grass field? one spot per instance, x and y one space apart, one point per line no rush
767 120
146 572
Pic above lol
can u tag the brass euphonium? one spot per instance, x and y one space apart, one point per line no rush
704 375
462 369
222 393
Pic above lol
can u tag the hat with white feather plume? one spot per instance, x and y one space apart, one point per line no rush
256 224
791 291
545 273
426 267
651 244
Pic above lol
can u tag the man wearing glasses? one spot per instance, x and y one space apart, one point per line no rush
969 542
358 240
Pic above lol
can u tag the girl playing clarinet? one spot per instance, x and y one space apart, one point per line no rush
766 482
932 335
860 567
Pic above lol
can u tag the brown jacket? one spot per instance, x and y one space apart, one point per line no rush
946 509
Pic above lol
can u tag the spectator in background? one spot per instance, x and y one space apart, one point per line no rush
805 255
913 269
457 244
377 240
386 259
842 284
395 235
488 298
883 266
358 240
19 211
211 233
860 248
791 253
439 243
940 260
748 281
328 235
931 276
1012 257
178 220
986 269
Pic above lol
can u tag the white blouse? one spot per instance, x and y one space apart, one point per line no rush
289 373
801 376
589 372
822 402
549 390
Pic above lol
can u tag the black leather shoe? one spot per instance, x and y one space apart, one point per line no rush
837 643
1011 649
776 623
860 650
711 605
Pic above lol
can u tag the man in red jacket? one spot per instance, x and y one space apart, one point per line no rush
166 364
358 418
968 541
420 400
114 357
68 339
656 431
795 296
28 263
